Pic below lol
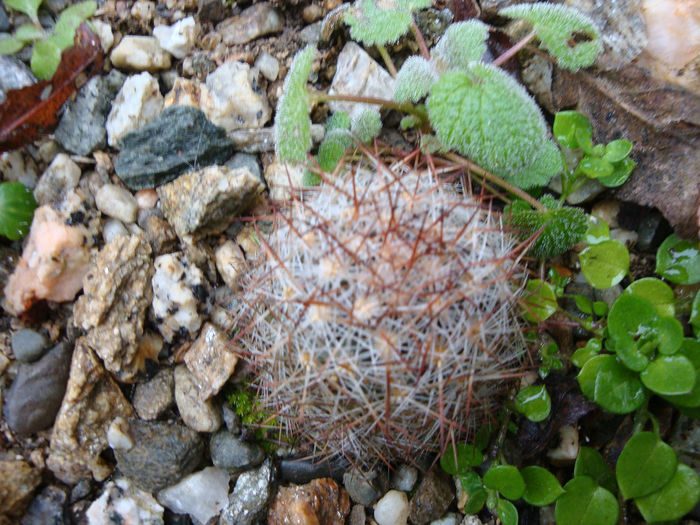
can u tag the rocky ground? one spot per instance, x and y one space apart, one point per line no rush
114 351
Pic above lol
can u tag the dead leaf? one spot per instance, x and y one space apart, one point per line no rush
32 111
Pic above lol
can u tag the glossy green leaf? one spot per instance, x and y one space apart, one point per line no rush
589 372
617 389
534 403
621 172
507 512
617 150
595 167
669 335
17 207
28 7
600 308
473 486
605 264
583 303
631 323
675 499
645 465
678 260
459 462
539 301
506 479
585 503
566 124
591 349
690 349
541 486
585 143
590 463
669 375
10 45
656 292
695 315
597 231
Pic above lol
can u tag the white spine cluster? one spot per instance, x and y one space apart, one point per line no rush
382 320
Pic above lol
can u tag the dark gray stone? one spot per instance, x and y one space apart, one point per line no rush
248 160
232 454
250 497
651 231
14 74
301 471
46 508
4 20
28 345
361 486
82 127
36 393
433 495
180 140
163 453
211 11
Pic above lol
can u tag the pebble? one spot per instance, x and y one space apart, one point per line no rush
311 13
46 507
568 448
112 229
450 518
18 481
180 139
319 501
590 189
608 211
103 31
211 359
230 263
359 74
180 296
651 232
160 235
608 295
248 501
140 53
59 178
138 103
178 39
258 20
357 515
15 167
312 33
247 160
361 486
154 397
202 495
82 126
163 453
404 478
4 20
143 10
14 74
231 453
284 180
29 345
210 10
117 202
202 416
626 237
268 65
146 199
433 496
35 396
122 502
392 509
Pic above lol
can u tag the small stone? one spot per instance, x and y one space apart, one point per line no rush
92 400
626 237
608 211
567 451
60 177
230 263
256 21
5 24
206 201
104 33
29 345
650 232
140 53
17 167
263 139
357 515
146 199
231 420
474 520
113 229
450 518
118 434
590 189
117 202
160 235
392 509
18 480
14 74
312 33
247 160
211 10
319 501
211 359
178 39
82 127
608 295
138 103
404 478
284 180
232 454
154 397
202 416
248 501
357 73
311 13
202 495
180 296
160 151
121 502
46 507
268 65
432 498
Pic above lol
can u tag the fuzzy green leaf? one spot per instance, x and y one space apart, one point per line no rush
546 164
366 125
375 25
28 7
332 149
486 115
566 33
45 58
414 80
292 123
561 229
462 43
69 20
338 120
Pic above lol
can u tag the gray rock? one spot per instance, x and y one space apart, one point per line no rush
404 478
312 33
608 295
82 127
301 471
163 453
361 486
4 20
18 480
268 65
258 20
263 139
36 393
46 508
590 189
231 420
250 496
231 453
153 398
171 145
650 232
61 177
117 202
211 10
434 494
28 345
357 515
14 74
247 160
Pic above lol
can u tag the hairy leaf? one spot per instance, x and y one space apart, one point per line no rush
332 149
561 229
69 20
338 120
367 124
486 115
29 32
414 80
546 164
292 123
374 25
462 43
566 33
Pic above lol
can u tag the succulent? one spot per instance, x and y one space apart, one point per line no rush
382 321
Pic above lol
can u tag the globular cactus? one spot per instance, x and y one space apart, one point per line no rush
382 320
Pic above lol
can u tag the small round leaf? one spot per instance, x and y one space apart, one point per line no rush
460 461
565 125
507 512
605 264
617 150
594 167
539 301
589 372
645 465
506 479
656 292
17 207
675 499
597 231
541 487
584 503
690 349
621 172
590 463
670 375
534 403
678 260
618 389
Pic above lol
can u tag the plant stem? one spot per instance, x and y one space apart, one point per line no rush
498 181
389 104
513 50
387 60
421 41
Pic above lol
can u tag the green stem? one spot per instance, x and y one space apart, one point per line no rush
640 418
387 60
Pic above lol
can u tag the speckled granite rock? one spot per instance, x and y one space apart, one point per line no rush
79 435
112 309
258 20
199 415
18 480
319 501
248 501
211 359
122 502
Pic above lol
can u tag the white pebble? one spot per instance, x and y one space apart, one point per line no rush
113 229
146 199
448 519
117 202
138 102
179 38
404 478
392 509
202 495
141 53
268 65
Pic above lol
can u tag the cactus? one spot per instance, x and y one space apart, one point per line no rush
382 321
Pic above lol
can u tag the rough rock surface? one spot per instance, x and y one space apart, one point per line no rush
122 502
179 139
112 309
179 38
211 360
248 501
59 178
202 494
47 507
233 454
319 501
140 53
18 480
258 20
434 494
154 397
138 103
202 416
79 435
206 201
